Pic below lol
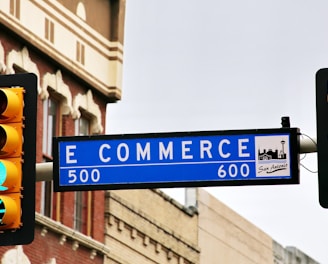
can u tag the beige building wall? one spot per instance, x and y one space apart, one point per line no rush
226 237
76 36
147 226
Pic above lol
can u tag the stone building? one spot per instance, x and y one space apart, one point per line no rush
76 50
290 255
227 237
147 226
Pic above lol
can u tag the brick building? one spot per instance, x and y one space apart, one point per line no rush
147 226
75 48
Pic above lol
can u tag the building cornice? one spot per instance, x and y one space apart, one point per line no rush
156 230
102 66
65 233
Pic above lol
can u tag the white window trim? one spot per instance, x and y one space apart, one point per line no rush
86 102
21 59
55 81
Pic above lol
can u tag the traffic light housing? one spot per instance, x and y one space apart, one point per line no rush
18 103
322 134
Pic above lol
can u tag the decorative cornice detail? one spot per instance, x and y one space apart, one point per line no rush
22 60
73 235
164 246
2 59
156 233
55 81
15 255
86 102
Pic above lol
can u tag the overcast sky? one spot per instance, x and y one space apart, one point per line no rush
220 65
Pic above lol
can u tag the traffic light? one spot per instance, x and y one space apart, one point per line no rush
11 156
18 102
322 134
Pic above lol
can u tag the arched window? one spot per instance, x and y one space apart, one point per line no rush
87 122
82 200
57 101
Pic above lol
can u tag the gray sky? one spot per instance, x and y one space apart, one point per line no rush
219 65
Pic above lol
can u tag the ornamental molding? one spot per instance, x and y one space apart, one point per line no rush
86 102
22 60
2 59
15 256
72 236
55 81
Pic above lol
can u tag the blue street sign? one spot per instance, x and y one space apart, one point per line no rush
183 159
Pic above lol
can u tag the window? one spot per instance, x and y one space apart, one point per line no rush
80 211
82 127
83 200
50 129
50 126
87 117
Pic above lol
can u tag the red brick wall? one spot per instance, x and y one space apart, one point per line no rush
46 247
98 218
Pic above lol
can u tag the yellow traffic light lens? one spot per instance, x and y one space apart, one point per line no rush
9 140
3 102
3 138
10 175
10 103
3 176
9 211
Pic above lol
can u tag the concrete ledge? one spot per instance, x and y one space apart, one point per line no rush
72 234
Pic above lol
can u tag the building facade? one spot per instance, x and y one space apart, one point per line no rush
76 50
147 226
227 237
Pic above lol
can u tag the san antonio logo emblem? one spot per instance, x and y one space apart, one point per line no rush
272 159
